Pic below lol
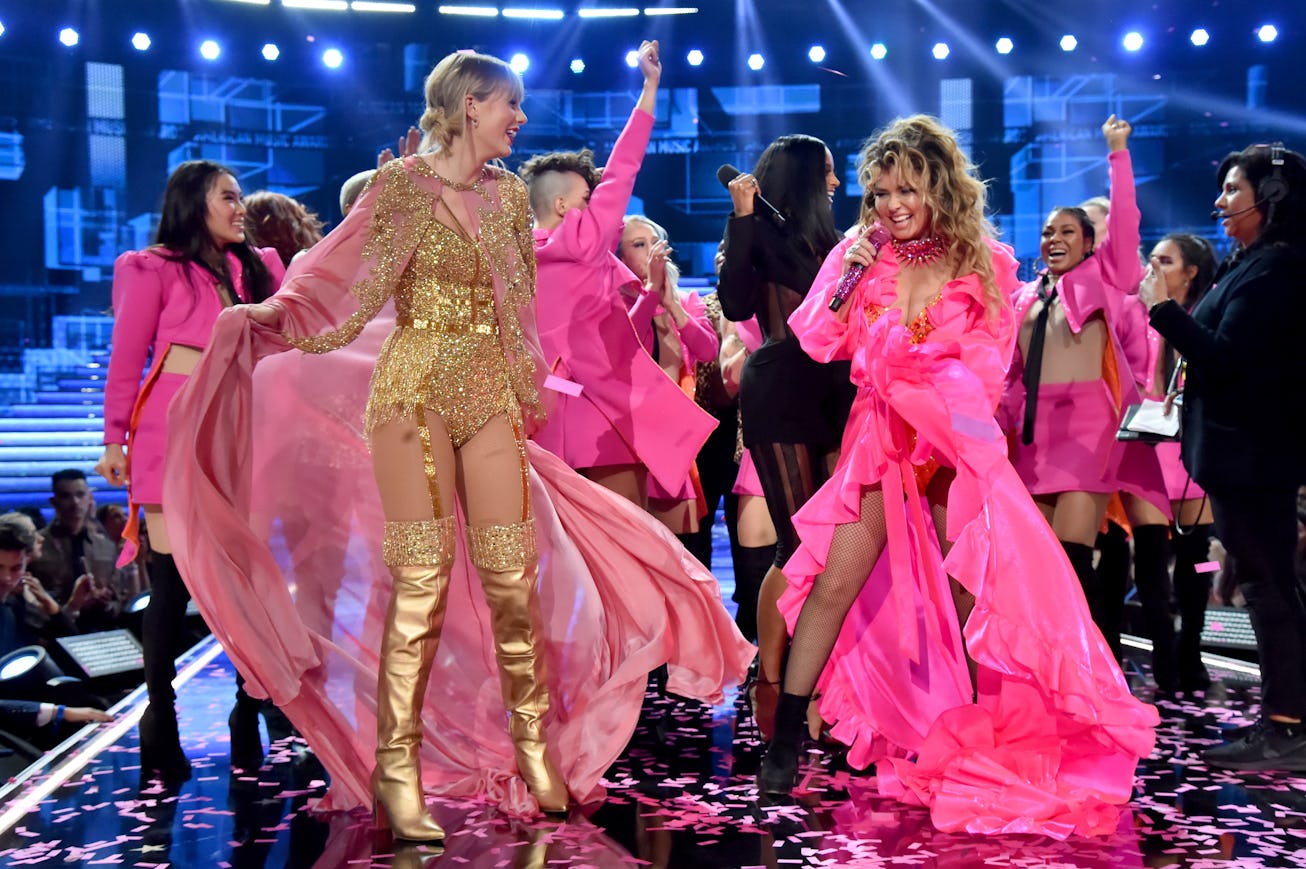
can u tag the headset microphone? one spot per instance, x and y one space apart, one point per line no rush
1220 215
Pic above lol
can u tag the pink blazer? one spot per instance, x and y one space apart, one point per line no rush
158 302
628 410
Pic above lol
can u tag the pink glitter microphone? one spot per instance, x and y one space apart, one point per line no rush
877 238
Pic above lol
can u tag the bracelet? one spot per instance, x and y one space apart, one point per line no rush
58 718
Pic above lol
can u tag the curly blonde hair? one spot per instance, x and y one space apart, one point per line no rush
447 87
928 158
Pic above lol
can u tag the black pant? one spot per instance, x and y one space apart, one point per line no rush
1258 527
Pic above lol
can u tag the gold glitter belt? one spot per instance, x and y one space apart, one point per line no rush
445 328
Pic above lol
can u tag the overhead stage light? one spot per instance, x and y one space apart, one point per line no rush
577 65
1133 41
622 12
1004 45
1200 37
1267 33
694 57
756 61
210 50
375 6
476 11
519 63
332 58
271 51
632 58
670 10
940 51
141 41
533 14
879 51
816 54
69 37
1069 43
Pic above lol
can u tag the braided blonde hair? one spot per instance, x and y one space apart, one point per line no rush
447 87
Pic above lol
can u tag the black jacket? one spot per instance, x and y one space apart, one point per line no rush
1244 404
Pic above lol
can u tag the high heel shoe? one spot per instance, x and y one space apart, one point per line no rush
779 771
246 743
505 558
162 757
412 633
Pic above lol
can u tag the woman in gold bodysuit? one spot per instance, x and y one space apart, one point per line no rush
449 240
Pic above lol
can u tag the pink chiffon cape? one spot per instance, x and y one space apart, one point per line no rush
1050 743
276 524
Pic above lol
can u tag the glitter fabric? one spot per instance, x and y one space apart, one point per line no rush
501 547
452 352
920 327
919 251
411 543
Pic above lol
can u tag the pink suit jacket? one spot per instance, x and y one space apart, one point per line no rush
1103 283
628 410
158 302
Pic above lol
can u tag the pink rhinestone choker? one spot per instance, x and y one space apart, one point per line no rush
920 251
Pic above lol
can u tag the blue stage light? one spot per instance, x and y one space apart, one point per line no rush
694 58
519 63
141 41
332 58
69 37
1200 37
1267 33
1004 45
271 51
210 50
879 51
1069 43
756 61
940 51
577 65
632 58
1133 41
816 54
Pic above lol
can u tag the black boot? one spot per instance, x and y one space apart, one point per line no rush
1193 590
1152 579
779 772
246 743
751 565
162 758
162 627
1081 559
1113 582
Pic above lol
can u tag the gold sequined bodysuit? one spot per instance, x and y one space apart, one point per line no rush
445 352
448 354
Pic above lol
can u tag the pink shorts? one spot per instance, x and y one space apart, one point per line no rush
1074 433
747 481
148 441
1178 485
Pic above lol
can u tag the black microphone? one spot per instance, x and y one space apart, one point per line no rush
878 238
1220 215
728 173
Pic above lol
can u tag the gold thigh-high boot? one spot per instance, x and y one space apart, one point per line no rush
420 556
505 558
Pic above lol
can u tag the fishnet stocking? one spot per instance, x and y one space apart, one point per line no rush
853 552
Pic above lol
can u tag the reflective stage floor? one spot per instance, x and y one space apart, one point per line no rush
682 796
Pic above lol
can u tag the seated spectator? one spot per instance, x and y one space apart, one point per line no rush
135 577
74 549
44 724
29 616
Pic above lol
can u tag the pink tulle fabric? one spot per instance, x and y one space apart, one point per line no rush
276 523
1051 742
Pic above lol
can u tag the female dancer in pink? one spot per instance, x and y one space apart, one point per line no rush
673 326
1180 267
166 299
925 527
446 239
1070 379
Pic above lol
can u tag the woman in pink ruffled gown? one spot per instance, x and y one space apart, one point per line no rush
925 524
445 239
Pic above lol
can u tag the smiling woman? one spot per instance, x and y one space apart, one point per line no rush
1070 379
